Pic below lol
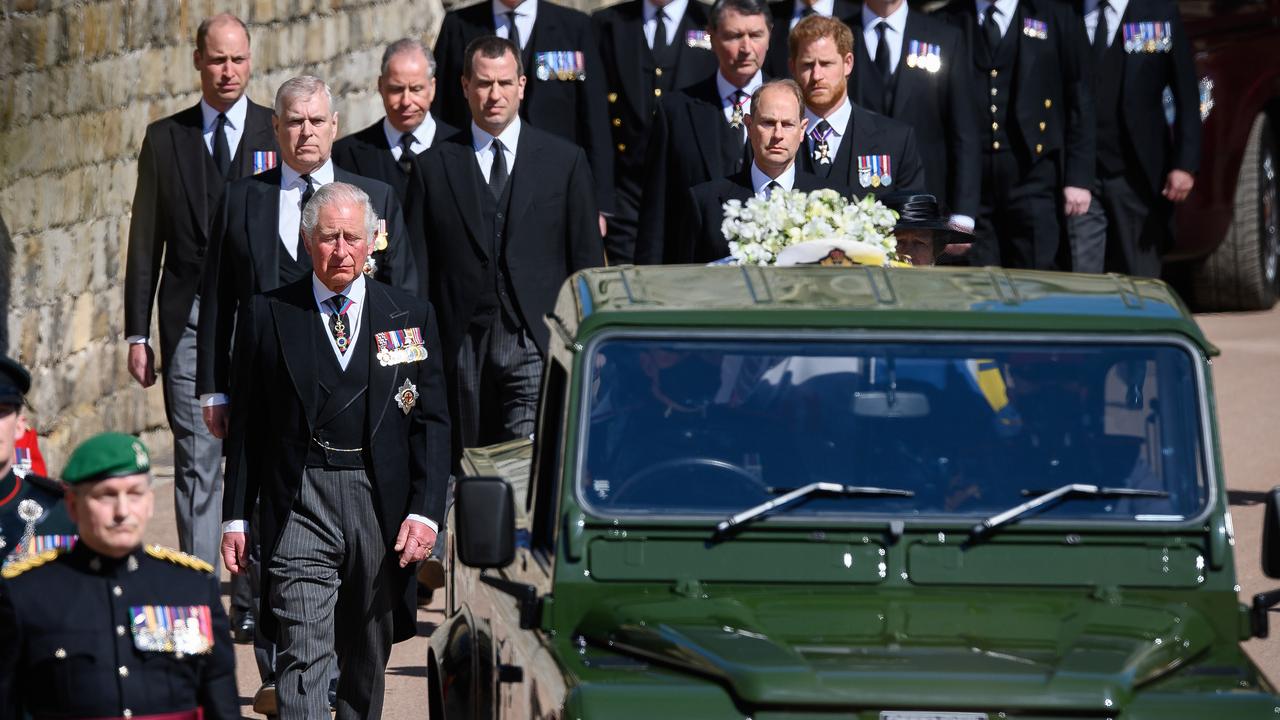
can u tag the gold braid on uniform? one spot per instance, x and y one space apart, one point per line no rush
176 557
17 567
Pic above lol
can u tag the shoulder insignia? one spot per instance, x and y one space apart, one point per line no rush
176 557
17 567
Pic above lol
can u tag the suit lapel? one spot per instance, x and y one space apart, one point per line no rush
907 77
1028 47
687 70
628 43
263 212
524 179
384 381
463 183
856 136
296 321
188 146
708 135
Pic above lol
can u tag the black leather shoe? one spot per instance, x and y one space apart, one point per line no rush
243 624
264 701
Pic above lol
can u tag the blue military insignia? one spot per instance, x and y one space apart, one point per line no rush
698 39
875 171
925 56
181 630
1033 28
263 160
1148 37
560 65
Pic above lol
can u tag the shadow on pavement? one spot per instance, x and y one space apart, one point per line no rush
1246 497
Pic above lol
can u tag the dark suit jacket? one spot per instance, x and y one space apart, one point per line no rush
705 209
366 153
869 133
244 259
1142 84
275 411
1053 89
173 209
551 229
776 63
942 108
572 109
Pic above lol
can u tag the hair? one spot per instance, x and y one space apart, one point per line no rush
207 24
332 194
303 86
816 27
742 7
788 84
490 47
407 45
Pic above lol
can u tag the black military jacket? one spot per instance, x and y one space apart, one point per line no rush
36 502
72 625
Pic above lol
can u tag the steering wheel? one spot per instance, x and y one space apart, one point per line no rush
747 484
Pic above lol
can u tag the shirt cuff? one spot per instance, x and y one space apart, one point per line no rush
429 523
137 339
963 222
211 399
231 526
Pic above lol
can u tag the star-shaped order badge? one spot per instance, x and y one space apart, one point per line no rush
407 396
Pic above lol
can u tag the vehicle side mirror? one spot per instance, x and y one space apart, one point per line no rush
486 522
1271 534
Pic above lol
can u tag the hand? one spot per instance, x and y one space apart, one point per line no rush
1077 200
142 364
235 554
1177 186
217 418
604 225
414 542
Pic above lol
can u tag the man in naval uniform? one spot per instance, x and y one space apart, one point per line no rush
112 628
32 516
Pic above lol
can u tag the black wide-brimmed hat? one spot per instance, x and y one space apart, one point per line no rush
919 211
15 381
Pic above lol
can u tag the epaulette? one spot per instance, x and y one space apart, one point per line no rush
49 484
177 557
17 567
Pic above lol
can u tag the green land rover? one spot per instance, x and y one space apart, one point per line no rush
820 493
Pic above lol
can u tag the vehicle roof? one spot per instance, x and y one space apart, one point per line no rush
935 298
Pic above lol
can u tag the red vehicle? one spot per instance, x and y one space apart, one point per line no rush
1226 241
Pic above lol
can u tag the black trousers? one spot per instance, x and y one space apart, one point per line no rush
1017 224
1125 230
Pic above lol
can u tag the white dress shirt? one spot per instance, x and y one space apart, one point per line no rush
760 181
825 8
1115 13
894 34
675 13
1004 16
291 188
526 14
726 90
482 144
839 121
235 124
423 136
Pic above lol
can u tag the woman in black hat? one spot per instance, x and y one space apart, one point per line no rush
924 235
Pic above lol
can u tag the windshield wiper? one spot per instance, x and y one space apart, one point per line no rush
1073 489
724 527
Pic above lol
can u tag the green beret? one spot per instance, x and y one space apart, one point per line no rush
104 456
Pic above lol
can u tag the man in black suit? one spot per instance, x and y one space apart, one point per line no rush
340 431
508 215
1139 49
698 133
787 13
670 41
913 67
186 161
566 95
853 147
775 129
1037 125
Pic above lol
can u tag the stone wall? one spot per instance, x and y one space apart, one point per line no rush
79 81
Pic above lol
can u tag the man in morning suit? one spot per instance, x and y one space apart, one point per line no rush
566 93
775 129
186 162
1037 127
914 67
698 133
113 629
787 13
853 147
340 431
508 215
650 48
1143 167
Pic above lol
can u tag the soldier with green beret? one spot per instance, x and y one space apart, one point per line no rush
113 628
32 516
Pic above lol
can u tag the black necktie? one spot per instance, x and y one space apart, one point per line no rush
807 11
991 30
339 322
1101 31
498 172
882 50
771 188
406 152
221 151
514 33
660 31
307 191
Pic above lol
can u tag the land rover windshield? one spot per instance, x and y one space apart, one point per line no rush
706 426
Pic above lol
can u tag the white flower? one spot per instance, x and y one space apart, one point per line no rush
759 229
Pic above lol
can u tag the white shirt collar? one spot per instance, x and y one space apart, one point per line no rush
674 10
838 119
759 180
510 137
897 19
422 135
235 114
824 8
354 292
528 8
1117 6
1006 8
726 88
320 177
